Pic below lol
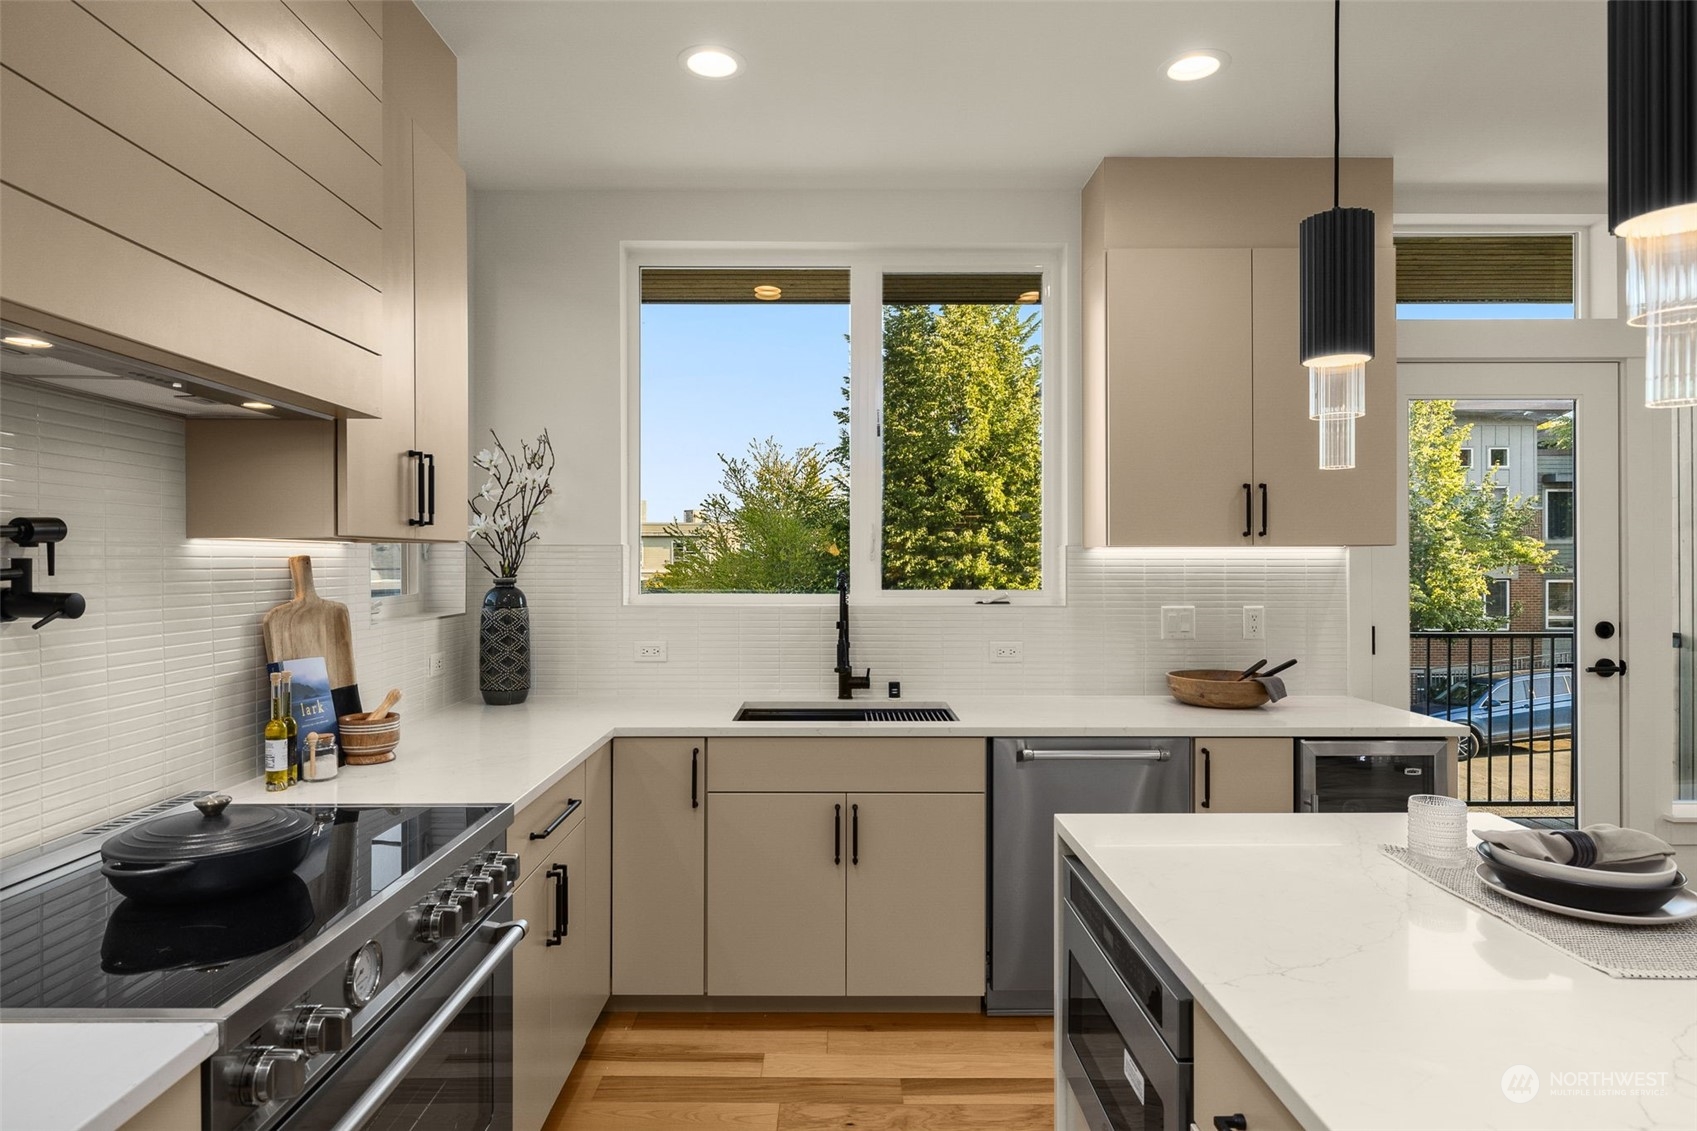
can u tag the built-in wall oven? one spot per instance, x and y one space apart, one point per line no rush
1124 1020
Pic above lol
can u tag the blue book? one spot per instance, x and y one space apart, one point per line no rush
309 697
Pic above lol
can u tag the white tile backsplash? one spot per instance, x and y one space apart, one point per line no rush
158 688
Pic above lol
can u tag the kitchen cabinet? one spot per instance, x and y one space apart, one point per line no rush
1196 405
846 867
400 475
1224 1084
169 194
659 865
1244 775
175 1109
560 969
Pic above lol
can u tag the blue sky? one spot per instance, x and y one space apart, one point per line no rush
1415 311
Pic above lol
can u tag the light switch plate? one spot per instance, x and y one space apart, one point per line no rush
1178 622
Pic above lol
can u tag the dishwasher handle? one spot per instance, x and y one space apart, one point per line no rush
1023 753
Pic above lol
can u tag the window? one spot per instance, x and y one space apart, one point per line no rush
1685 595
1558 514
1467 458
1497 598
1486 275
388 570
1558 603
771 454
1498 457
417 579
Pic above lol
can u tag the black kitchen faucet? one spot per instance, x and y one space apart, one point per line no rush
847 681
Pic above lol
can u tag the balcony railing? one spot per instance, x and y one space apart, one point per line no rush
1514 693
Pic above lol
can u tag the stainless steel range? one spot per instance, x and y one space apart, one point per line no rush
371 987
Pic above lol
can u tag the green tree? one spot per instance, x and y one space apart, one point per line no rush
1457 531
778 524
963 448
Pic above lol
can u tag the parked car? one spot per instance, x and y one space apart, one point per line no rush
1508 709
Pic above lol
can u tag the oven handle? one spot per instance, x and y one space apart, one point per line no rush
506 937
1025 754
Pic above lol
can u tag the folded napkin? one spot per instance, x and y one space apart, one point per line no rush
1594 846
1275 686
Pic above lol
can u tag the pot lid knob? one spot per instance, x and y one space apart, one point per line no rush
212 804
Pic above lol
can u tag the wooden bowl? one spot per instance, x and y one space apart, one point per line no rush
367 744
1208 687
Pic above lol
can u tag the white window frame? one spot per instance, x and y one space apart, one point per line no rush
1572 516
1594 252
1571 618
867 266
1466 458
1491 463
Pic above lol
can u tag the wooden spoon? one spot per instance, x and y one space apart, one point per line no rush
389 701
1250 670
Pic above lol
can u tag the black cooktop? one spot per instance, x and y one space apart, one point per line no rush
74 943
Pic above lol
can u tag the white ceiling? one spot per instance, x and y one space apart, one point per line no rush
1492 94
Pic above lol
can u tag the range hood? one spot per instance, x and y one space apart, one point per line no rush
60 363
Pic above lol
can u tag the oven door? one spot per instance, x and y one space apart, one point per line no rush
1121 1073
441 1059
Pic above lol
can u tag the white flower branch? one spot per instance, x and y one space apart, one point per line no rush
512 496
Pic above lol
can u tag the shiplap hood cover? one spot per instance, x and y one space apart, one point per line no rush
1475 94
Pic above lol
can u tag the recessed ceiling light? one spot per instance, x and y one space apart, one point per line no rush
1193 65
1029 296
711 62
766 292
260 406
176 384
23 341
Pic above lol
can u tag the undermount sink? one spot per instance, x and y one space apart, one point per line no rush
839 712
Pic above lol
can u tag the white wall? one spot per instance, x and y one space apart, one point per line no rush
159 687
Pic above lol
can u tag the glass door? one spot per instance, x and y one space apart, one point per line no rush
1513 555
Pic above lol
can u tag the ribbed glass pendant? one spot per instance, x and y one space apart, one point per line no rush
1653 184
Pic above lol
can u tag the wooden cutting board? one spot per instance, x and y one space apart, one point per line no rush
307 626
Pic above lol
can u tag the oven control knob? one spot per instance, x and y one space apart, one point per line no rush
507 861
267 1074
317 1029
438 921
484 886
463 898
495 874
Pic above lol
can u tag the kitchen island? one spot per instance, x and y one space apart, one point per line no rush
1368 999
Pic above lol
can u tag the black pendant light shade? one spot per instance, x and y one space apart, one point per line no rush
1337 287
1652 107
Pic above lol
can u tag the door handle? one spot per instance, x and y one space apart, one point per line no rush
695 778
557 873
418 486
1606 667
1263 533
430 495
837 839
1025 755
1248 511
571 807
1207 778
1231 1123
854 835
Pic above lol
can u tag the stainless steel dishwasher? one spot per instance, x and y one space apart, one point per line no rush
1031 780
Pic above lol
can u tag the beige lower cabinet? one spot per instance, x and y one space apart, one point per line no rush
560 969
915 894
176 1109
1244 775
1224 1084
659 865
776 913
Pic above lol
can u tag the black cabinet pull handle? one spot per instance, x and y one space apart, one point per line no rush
565 900
418 486
1263 510
1207 778
430 495
854 835
695 778
837 841
1248 510
571 807
557 873
1230 1123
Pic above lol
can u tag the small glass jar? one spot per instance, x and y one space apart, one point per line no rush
318 758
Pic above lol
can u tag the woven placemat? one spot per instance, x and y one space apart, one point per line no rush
1666 951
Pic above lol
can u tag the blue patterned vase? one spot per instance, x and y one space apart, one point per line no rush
503 654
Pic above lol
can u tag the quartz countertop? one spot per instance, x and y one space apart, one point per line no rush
1370 999
92 1077
472 752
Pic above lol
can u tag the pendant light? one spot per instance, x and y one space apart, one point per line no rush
1337 300
1653 184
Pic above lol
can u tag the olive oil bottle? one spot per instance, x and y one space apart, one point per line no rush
292 727
277 739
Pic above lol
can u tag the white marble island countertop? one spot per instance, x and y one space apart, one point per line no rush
1372 1000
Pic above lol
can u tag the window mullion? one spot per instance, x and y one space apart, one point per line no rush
866 497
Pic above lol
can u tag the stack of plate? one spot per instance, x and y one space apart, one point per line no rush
1644 892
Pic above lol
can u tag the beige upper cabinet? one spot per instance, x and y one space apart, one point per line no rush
659 865
1196 405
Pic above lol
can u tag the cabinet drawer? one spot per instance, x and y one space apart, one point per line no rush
847 765
539 814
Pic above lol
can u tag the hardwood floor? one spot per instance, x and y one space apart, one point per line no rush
811 1072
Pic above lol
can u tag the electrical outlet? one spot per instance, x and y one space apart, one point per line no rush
651 652
1006 651
1254 622
1178 622
438 664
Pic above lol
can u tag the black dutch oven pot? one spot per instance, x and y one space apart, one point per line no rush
222 850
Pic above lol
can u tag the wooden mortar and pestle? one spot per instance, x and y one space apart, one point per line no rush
371 737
